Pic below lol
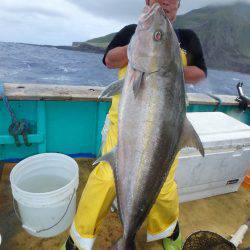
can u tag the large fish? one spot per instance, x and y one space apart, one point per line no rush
152 125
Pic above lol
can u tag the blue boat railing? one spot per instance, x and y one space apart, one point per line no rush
69 119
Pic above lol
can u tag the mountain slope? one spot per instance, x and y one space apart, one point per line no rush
224 32
101 41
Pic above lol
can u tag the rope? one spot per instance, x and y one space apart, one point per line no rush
217 99
7 104
17 127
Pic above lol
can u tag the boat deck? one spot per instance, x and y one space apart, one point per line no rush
222 214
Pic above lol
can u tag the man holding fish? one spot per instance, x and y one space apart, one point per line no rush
141 180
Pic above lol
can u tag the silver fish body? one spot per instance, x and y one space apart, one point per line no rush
152 120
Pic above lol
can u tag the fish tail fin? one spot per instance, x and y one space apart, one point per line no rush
122 244
190 138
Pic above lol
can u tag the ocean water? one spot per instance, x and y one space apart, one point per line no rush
20 63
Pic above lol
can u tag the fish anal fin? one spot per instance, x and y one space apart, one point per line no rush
110 158
190 138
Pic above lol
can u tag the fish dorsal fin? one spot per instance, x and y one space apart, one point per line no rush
137 81
113 89
110 158
190 138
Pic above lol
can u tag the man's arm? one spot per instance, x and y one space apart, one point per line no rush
196 69
116 52
117 58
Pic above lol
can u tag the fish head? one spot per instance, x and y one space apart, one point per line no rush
153 45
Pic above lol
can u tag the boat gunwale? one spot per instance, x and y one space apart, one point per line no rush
53 92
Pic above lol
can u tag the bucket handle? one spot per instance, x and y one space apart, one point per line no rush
41 230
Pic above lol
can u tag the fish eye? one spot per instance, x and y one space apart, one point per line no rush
158 35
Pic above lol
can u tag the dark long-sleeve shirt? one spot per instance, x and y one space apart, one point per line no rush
189 42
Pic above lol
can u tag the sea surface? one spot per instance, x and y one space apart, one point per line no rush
22 63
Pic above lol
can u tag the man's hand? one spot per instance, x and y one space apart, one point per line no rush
169 6
117 57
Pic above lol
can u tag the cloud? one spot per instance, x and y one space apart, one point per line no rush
34 10
50 22
119 10
64 21
187 5
129 10
28 7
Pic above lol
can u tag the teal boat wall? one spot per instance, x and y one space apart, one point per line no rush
74 127
22 109
69 127
58 126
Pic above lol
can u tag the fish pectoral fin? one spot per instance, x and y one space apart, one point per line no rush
113 89
110 158
190 138
137 82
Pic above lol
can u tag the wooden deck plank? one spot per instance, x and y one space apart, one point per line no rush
51 92
222 214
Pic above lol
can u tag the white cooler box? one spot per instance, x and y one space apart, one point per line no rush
227 157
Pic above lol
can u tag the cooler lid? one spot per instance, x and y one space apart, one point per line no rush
218 130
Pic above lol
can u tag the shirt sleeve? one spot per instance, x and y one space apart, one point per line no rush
121 39
193 47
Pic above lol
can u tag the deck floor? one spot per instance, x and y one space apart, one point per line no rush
222 214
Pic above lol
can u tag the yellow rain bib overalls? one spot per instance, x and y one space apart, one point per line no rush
99 193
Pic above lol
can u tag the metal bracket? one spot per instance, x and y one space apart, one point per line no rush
243 100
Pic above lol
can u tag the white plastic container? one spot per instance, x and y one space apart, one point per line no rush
44 187
227 157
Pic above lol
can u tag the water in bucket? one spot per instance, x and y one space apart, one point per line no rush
44 187
42 183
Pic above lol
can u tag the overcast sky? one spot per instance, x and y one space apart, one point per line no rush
60 22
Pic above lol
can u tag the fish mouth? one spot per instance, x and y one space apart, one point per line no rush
148 14
150 10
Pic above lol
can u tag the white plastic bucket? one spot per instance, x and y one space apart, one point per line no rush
44 187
